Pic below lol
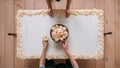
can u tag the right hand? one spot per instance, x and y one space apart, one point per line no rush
50 12
65 45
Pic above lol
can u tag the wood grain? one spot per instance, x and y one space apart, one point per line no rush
36 63
78 4
117 63
117 33
2 32
40 4
90 4
29 4
19 4
9 24
29 63
109 27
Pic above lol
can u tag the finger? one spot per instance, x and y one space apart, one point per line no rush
63 42
48 12
42 40
67 15
51 13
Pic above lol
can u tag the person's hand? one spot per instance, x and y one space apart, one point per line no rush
45 43
67 11
50 12
65 45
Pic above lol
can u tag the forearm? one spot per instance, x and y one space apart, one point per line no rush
49 4
42 58
72 60
68 4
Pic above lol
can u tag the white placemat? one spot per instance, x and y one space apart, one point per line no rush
83 41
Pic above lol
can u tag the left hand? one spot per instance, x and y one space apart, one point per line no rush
67 11
45 44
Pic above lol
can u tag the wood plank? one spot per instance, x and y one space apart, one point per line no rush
109 40
90 4
19 4
9 24
29 4
100 5
28 67
81 63
117 63
40 4
36 63
117 33
2 32
77 4
89 63
117 29
1 27
100 63
29 63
